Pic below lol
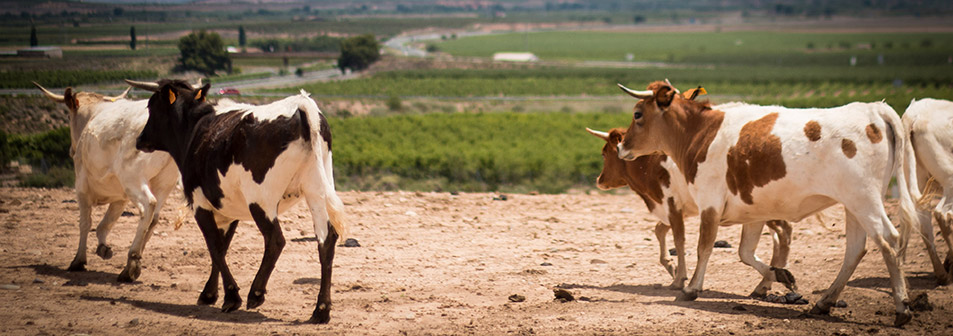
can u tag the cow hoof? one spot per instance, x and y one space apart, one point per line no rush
104 251
232 303
207 299
820 310
943 280
758 294
255 300
679 285
128 276
902 318
686 296
785 277
321 315
76 266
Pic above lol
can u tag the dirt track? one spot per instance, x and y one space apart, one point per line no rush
434 263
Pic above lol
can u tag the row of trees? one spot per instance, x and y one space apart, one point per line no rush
205 51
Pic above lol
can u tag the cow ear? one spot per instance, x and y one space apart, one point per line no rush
70 100
202 93
664 96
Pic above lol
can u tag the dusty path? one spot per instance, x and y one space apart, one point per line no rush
435 263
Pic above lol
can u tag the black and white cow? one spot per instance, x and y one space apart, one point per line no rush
247 162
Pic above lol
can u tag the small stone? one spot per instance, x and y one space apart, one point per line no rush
722 244
351 242
69 201
792 297
627 210
9 286
517 298
500 198
38 281
672 251
74 282
739 308
585 298
127 214
410 213
563 295
546 264
597 261
134 322
840 304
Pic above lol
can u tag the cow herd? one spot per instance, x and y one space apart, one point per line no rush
728 164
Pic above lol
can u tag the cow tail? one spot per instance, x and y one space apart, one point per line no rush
334 204
321 145
904 169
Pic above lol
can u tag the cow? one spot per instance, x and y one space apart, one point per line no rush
663 189
110 170
248 163
929 124
776 163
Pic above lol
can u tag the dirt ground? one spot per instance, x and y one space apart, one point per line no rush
436 263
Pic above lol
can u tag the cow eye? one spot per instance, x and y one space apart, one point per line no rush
637 115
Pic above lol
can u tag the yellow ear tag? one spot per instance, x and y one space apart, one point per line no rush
691 93
171 97
198 96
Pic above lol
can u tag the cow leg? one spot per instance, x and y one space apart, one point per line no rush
856 248
929 242
215 241
944 216
85 222
317 203
322 311
750 236
677 221
105 226
888 240
706 242
660 231
210 292
146 203
782 232
274 243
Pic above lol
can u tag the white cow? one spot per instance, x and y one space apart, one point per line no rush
930 123
110 170
757 164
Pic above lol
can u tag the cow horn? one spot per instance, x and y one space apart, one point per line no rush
121 96
601 135
148 86
55 97
637 94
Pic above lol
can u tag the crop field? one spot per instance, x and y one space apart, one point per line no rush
740 47
545 152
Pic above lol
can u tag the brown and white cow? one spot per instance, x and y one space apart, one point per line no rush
247 162
663 189
930 123
761 164
110 170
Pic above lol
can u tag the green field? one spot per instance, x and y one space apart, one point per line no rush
516 152
739 48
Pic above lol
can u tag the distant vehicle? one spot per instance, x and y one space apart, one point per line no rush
229 91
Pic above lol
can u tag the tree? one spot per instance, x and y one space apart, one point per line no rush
33 41
203 52
241 36
358 52
132 37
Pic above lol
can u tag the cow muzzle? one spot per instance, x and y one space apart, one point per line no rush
624 154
